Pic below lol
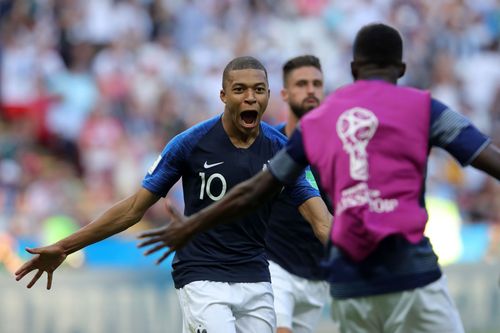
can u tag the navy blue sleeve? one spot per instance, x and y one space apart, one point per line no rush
295 148
284 167
290 162
302 190
167 169
455 133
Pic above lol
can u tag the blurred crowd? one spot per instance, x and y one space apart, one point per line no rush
91 90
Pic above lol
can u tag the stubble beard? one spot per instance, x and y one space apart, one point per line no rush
299 110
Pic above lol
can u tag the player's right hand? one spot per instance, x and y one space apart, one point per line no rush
172 237
46 259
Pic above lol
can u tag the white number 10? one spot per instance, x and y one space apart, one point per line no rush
205 186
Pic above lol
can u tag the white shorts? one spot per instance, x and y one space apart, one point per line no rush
298 302
221 307
428 309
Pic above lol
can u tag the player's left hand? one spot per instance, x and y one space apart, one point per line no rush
173 236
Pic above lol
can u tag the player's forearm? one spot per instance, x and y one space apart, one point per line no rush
242 199
489 161
116 219
316 213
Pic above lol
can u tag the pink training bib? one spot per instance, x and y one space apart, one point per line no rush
369 141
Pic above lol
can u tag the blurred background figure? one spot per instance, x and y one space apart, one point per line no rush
8 253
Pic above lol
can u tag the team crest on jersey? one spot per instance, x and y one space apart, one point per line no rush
155 164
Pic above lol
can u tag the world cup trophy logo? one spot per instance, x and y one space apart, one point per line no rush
356 127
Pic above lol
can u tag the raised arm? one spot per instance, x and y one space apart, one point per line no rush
117 218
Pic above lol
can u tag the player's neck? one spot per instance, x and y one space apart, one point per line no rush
242 140
291 123
239 138
378 75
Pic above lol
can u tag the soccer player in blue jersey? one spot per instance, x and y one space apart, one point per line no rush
294 252
398 286
221 276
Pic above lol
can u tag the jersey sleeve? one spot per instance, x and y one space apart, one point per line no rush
290 167
290 162
167 169
455 133
302 189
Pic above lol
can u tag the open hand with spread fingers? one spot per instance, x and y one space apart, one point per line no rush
46 259
173 236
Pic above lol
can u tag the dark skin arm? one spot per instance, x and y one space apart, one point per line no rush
489 161
117 218
249 195
242 199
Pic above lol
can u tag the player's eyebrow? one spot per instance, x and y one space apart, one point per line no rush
246 84
301 81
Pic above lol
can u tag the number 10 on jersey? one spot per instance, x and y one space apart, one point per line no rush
206 186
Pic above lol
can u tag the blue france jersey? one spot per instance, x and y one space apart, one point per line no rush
290 240
210 165
396 264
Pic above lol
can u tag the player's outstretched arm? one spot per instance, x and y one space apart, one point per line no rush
489 161
119 217
240 200
314 210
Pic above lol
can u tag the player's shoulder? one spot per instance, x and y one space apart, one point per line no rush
183 143
437 106
273 133
281 127
196 132
440 112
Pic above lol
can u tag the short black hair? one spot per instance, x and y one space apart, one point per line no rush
300 61
245 62
378 44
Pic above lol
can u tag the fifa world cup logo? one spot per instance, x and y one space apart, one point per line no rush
356 127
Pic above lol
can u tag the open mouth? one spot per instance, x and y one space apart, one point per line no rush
249 118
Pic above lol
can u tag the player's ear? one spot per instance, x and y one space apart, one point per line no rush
284 95
354 70
222 96
402 69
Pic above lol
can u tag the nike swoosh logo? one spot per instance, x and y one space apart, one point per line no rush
208 166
